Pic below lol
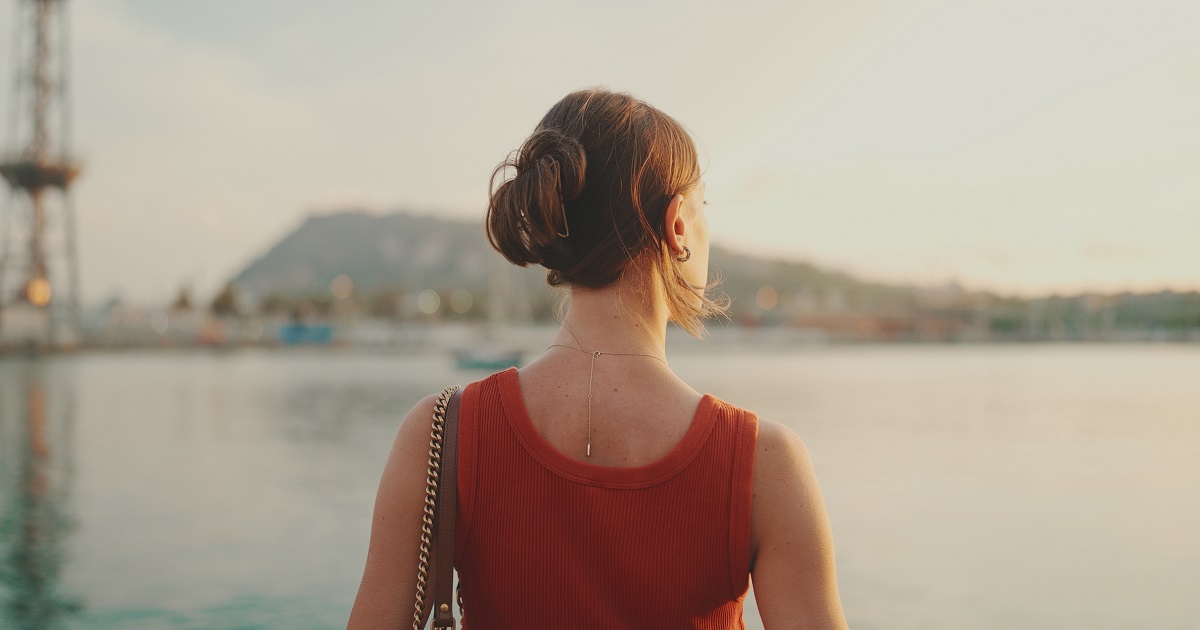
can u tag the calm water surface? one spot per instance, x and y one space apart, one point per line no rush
969 487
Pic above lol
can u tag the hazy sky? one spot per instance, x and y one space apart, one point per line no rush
1023 146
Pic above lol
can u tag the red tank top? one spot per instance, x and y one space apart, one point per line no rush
546 541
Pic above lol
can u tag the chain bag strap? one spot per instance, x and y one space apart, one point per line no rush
441 480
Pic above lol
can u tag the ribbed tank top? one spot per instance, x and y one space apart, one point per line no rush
547 541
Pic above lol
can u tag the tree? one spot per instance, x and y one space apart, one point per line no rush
183 302
225 303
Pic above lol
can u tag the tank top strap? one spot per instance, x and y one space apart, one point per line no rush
469 430
742 424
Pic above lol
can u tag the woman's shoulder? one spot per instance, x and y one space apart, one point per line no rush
787 496
414 428
783 469
412 438
778 444
421 414
791 544
777 447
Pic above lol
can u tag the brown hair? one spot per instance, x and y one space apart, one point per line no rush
590 196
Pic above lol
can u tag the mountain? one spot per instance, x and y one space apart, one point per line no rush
407 253
395 251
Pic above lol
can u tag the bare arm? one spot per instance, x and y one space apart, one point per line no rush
794 579
389 582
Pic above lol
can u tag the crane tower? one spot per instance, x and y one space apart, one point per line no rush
39 269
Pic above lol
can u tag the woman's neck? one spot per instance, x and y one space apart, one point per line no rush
609 320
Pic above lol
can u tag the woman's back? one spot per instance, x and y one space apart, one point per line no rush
548 540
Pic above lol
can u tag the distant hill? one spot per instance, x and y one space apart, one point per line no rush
395 251
400 254
408 253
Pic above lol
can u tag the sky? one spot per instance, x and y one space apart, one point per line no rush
1017 146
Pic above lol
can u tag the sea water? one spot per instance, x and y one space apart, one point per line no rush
983 487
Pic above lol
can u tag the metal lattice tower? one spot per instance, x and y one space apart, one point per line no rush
39 268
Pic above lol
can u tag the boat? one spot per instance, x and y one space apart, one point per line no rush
299 333
484 357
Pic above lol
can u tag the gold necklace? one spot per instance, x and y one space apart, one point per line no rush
592 370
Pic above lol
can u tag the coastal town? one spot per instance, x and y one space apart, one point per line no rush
299 294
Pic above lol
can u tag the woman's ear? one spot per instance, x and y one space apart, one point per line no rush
673 225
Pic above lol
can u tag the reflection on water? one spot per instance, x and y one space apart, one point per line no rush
36 423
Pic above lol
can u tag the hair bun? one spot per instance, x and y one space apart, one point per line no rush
527 220
552 150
